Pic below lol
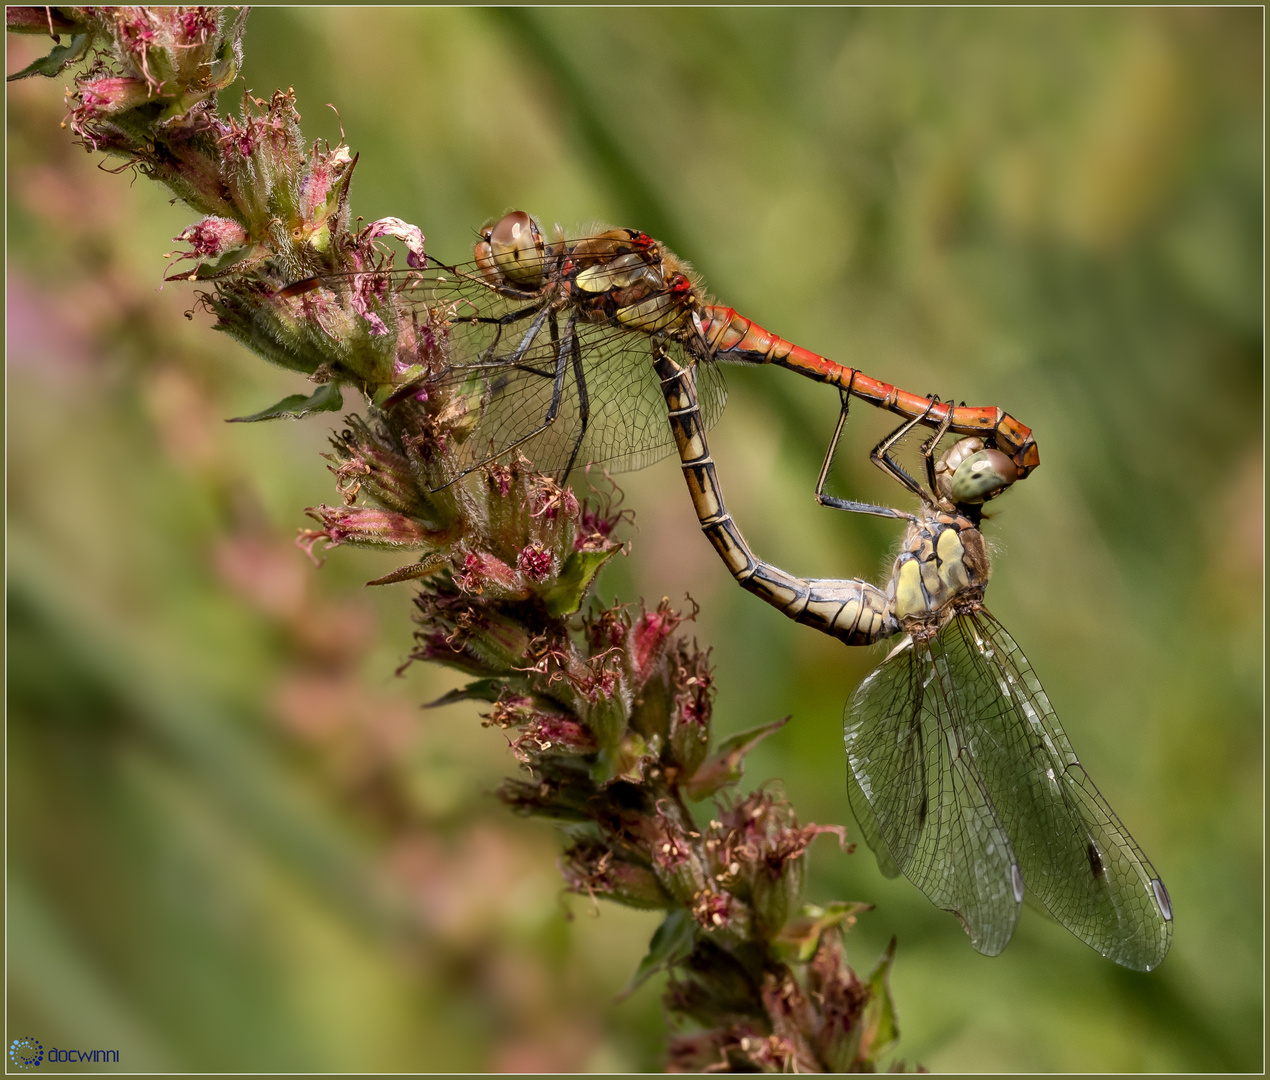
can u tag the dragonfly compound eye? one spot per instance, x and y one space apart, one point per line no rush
513 250
982 476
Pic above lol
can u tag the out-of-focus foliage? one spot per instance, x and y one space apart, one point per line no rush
209 762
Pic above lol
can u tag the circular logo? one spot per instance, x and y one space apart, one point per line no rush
26 1053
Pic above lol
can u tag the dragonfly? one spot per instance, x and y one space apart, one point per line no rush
544 346
959 773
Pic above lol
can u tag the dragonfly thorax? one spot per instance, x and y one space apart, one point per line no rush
942 569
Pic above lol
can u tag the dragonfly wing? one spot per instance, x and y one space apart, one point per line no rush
919 799
626 426
1076 857
506 402
507 374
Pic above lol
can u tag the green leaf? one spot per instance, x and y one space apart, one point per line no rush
800 937
881 1031
327 398
628 760
569 589
481 690
224 68
57 59
429 564
671 943
727 763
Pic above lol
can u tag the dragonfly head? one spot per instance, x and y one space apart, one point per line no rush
969 474
512 252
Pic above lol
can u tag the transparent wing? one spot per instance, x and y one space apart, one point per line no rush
447 316
1076 857
623 425
919 799
512 376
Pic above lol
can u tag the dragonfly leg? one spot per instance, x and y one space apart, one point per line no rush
498 384
531 335
584 406
486 362
928 449
832 501
541 311
557 393
562 367
880 455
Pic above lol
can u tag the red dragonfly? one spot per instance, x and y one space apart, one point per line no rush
546 346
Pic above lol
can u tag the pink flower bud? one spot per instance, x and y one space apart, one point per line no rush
213 236
843 1000
648 635
363 525
474 638
535 562
368 461
94 99
196 23
547 734
550 502
674 860
692 686
500 478
720 913
596 870
598 518
482 572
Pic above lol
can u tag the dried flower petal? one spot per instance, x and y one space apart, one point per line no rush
410 235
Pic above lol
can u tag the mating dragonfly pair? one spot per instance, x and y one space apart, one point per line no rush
959 773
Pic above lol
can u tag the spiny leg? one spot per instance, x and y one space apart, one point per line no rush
516 360
557 392
508 319
832 501
584 406
548 314
487 358
928 449
880 455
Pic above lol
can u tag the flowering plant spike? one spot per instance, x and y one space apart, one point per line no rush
608 711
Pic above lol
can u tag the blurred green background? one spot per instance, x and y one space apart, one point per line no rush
235 843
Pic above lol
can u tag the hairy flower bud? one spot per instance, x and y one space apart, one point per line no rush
675 862
535 562
735 1047
552 735
648 637
692 684
484 574
562 798
597 870
364 525
756 850
475 638
212 237
367 461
